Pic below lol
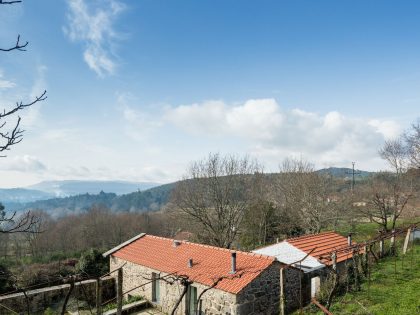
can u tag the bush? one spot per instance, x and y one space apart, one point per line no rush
6 279
326 286
43 274
92 264
49 311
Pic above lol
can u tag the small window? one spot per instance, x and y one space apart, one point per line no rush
155 287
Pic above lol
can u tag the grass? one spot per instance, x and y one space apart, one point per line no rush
364 231
389 292
131 299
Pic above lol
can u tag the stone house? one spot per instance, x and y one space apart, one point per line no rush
311 255
216 280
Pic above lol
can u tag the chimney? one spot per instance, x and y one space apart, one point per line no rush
233 259
349 239
190 263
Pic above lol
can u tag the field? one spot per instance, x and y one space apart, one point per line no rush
394 287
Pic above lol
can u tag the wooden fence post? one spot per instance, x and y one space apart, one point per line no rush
406 241
392 247
381 248
120 291
99 296
282 297
365 260
356 269
334 259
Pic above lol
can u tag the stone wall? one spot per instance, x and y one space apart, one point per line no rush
259 297
292 286
214 301
262 295
40 299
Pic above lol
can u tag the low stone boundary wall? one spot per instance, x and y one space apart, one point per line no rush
41 299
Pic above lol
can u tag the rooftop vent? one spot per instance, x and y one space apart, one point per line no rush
176 243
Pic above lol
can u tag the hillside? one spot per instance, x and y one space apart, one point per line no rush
344 172
22 195
78 196
65 188
149 200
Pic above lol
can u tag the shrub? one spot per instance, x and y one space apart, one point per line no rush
6 279
92 264
43 274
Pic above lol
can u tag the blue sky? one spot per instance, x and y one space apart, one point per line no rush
138 89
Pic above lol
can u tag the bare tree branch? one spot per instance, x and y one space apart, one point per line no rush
10 2
14 136
18 45
18 224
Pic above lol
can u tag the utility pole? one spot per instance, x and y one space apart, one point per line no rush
353 173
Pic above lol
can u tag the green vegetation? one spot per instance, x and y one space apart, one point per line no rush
390 292
92 264
5 279
365 231
149 200
131 299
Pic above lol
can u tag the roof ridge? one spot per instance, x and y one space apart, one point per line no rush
212 246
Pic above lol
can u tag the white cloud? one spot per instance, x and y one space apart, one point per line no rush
274 133
138 123
91 22
388 128
31 116
25 163
208 117
4 83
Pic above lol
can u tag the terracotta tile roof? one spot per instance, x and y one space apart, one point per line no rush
325 243
209 263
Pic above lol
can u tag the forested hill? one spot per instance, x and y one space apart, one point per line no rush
343 172
149 200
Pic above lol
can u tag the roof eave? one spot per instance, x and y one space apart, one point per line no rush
116 248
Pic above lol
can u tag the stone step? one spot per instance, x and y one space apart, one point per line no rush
129 309
148 311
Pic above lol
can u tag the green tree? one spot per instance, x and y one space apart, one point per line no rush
92 264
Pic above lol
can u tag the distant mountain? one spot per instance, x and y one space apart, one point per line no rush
148 200
344 172
79 196
67 188
22 195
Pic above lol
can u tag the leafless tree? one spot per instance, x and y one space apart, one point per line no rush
214 195
306 193
262 221
395 153
412 139
15 223
390 191
389 196
10 136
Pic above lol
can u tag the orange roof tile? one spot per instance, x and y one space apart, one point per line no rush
209 263
324 244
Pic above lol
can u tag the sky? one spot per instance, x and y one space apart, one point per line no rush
137 90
